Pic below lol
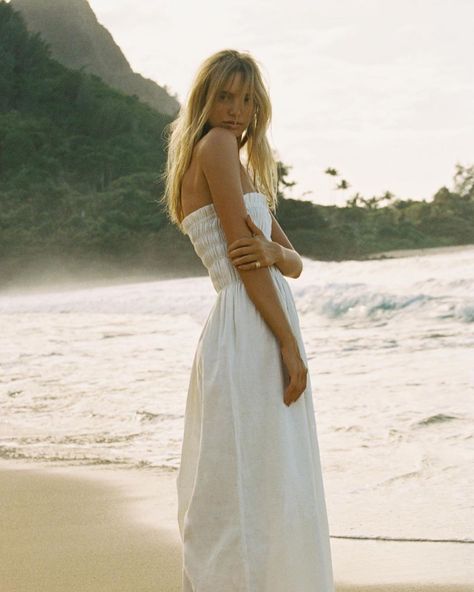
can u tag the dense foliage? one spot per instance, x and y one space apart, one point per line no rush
356 231
79 181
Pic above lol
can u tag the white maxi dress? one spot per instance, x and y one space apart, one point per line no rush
251 506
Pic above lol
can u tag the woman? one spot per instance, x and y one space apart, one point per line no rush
251 507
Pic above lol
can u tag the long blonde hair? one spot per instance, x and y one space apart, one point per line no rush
191 125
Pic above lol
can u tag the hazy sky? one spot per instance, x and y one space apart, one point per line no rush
382 90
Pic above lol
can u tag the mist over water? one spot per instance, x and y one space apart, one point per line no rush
99 375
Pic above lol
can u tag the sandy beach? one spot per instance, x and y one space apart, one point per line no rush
91 529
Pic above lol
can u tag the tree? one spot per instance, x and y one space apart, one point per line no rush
464 180
343 184
283 171
355 201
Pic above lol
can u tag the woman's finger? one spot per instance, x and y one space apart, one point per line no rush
239 242
247 266
252 224
249 259
241 251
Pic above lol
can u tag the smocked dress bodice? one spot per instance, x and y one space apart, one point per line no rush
209 241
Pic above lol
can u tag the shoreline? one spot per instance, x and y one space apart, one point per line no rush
109 529
47 281
400 253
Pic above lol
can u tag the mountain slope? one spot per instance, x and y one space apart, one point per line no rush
78 40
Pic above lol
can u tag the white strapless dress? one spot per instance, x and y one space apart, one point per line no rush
251 507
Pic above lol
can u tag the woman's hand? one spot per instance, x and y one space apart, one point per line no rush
295 373
245 252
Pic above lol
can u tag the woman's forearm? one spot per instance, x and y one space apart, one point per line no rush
263 293
289 262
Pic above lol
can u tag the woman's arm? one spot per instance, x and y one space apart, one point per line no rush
277 250
289 262
219 159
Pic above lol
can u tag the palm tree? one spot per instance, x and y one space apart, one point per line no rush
343 184
463 179
355 200
283 172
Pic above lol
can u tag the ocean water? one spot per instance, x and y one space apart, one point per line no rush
99 375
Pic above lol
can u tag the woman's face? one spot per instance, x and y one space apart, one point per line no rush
233 105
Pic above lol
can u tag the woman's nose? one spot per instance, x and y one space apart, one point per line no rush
235 108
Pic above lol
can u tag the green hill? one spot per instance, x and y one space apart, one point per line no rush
78 165
77 40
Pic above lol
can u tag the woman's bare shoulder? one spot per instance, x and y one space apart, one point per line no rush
216 139
220 163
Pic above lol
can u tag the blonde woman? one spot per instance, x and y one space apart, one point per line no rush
251 506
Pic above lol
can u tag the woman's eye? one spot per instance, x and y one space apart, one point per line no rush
224 96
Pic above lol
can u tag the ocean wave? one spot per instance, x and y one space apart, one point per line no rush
73 459
438 418
78 439
336 301
407 539
465 312
149 416
13 453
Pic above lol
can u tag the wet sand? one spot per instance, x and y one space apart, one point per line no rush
91 529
